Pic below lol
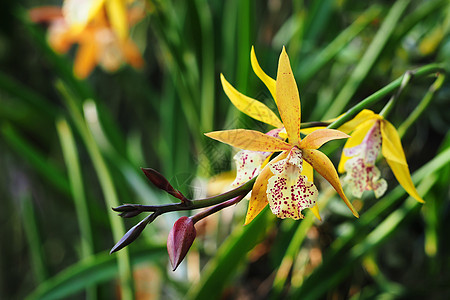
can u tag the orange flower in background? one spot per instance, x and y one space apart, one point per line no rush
99 27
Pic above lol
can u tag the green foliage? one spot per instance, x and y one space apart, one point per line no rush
71 149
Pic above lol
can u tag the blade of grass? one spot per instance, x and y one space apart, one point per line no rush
71 159
107 186
101 268
31 228
22 92
334 272
308 67
334 262
368 60
230 256
53 174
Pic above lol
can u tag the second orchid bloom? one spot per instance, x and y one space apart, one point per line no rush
286 182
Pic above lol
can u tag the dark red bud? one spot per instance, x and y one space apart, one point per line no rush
180 240
162 183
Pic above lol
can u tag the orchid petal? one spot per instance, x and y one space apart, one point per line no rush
393 152
319 137
289 192
322 164
249 140
355 140
258 199
403 176
268 81
392 146
117 15
79 13
361 177
309 130
251 107
132 54
248 165
360 118
85 60
288 99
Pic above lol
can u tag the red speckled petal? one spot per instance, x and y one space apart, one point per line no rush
361 177
248 165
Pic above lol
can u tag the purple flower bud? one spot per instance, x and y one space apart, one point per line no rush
162 183
180 240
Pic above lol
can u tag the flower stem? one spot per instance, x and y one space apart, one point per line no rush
422 105
405 81
375 97
131 210
216 208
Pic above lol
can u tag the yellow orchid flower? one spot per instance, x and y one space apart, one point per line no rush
282 183
89 26
371 134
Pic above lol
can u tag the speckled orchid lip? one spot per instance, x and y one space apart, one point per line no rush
362 174
289 192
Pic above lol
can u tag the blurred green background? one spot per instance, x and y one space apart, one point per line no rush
71 149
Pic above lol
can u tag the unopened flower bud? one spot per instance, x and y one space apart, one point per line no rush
180 239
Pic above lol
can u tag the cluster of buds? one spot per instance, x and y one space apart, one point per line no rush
183 232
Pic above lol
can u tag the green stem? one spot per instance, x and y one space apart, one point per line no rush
375 97
387 108
189 205
422 105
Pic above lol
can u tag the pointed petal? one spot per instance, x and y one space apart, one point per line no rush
268 81
248 165
360 118
391 146
249 140
249 106
117 15
47 14
85 60
288 99
322 164
258 198
132 54
403 176
315 211
392 150
319 137
355 140
309 130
